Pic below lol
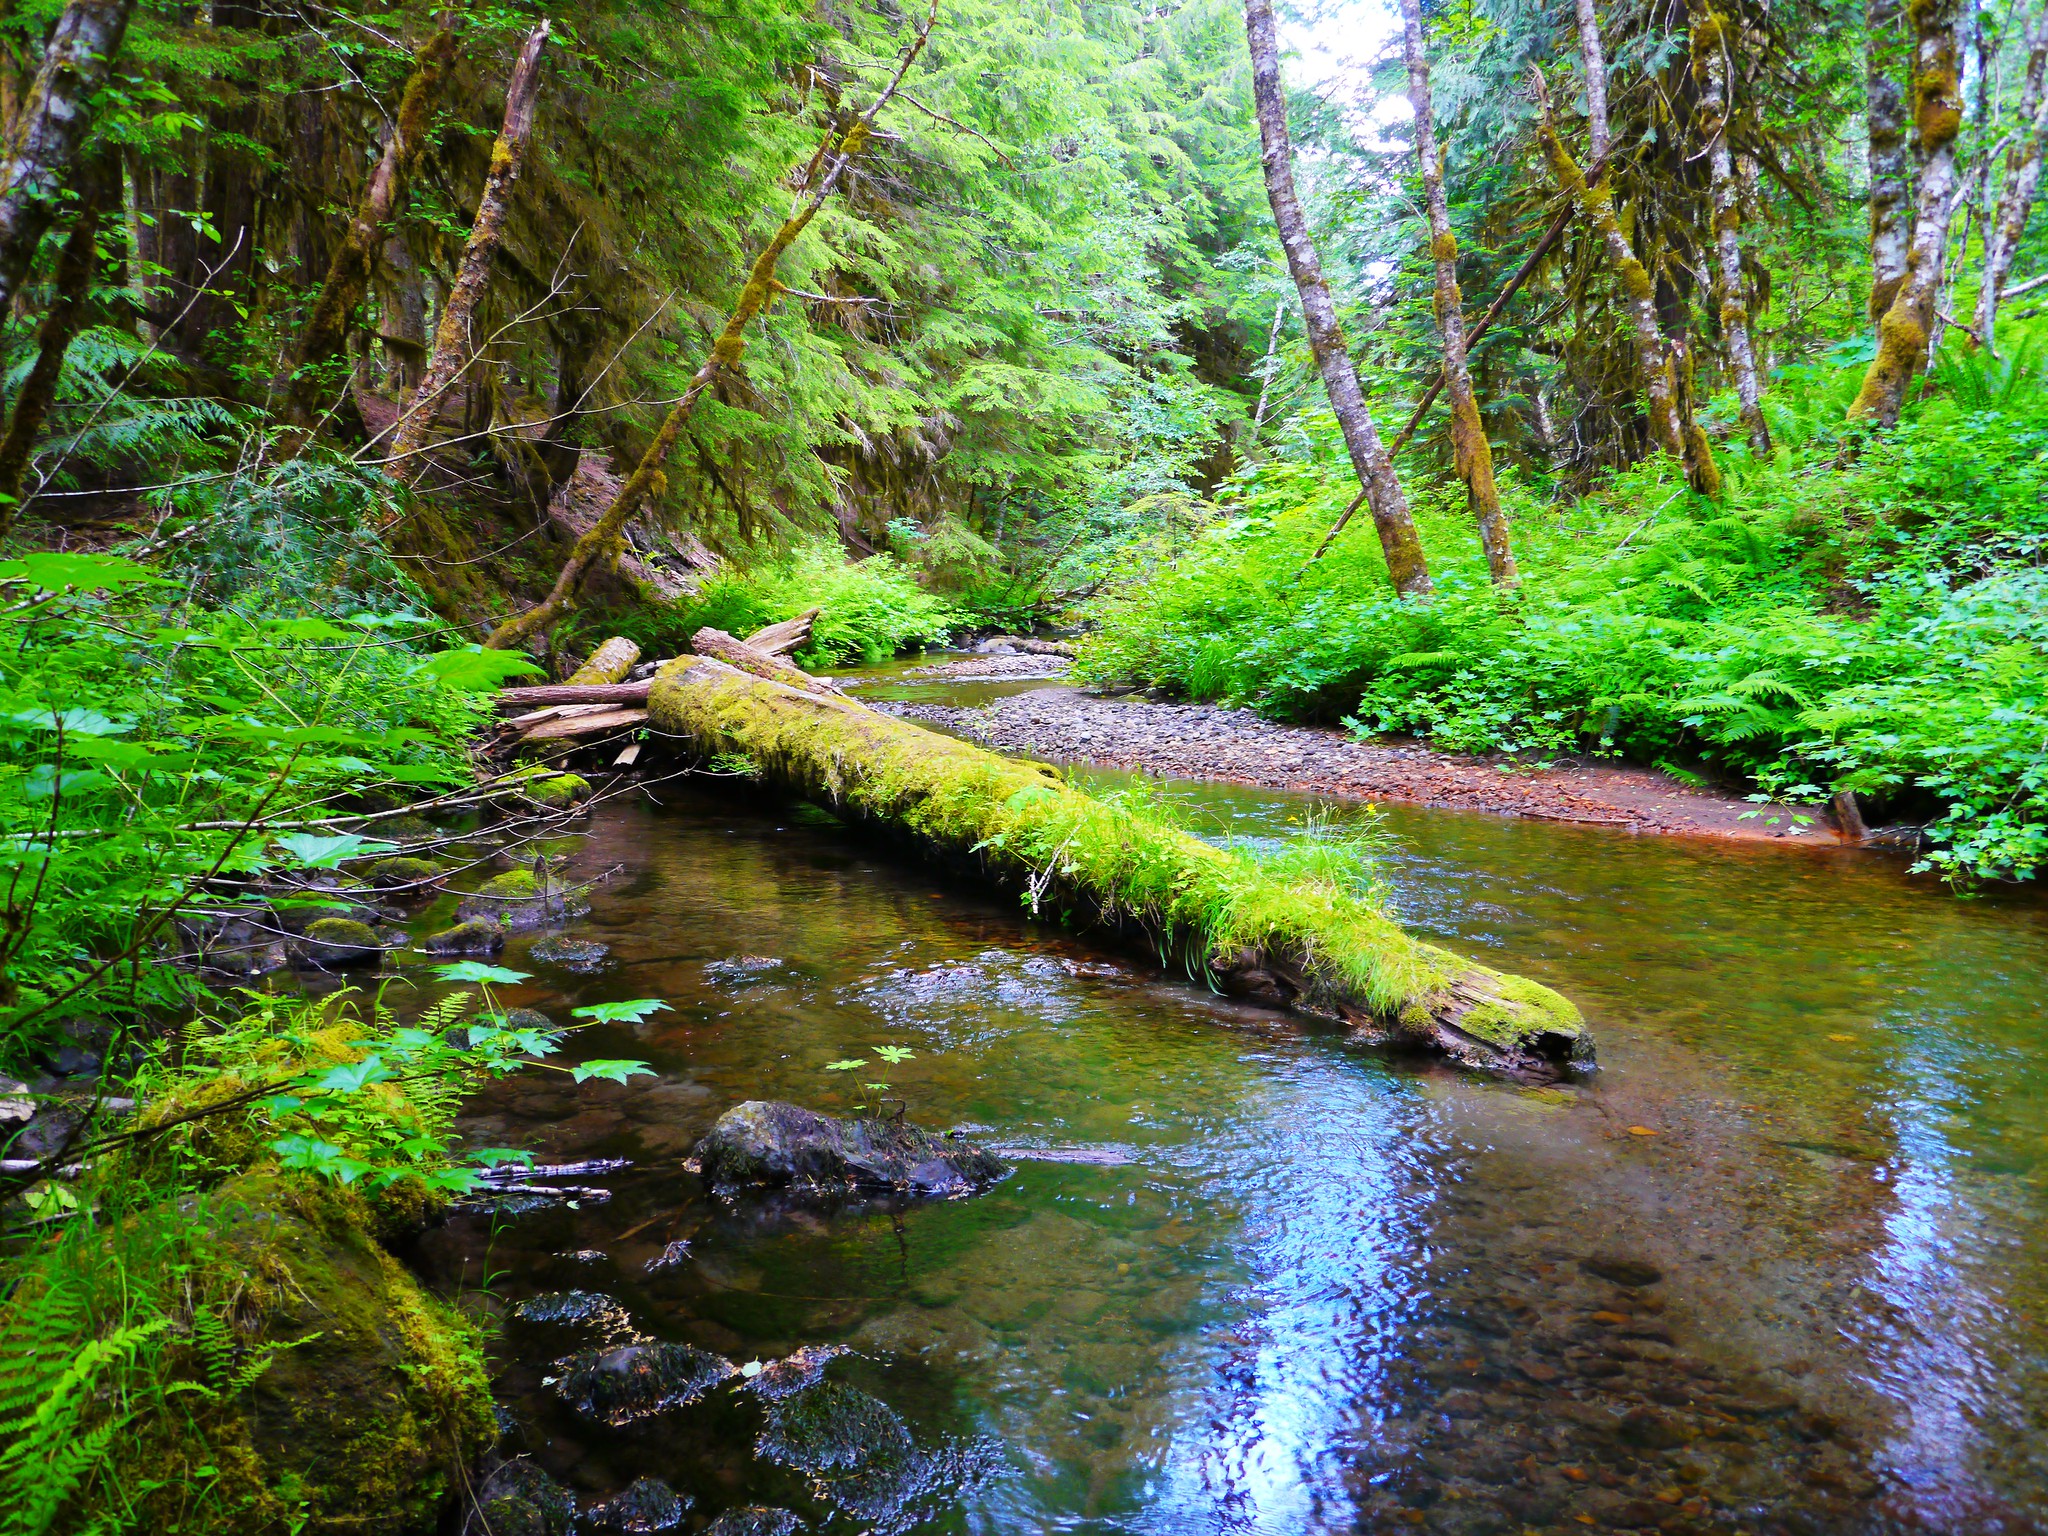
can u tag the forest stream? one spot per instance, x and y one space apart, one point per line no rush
1775 1267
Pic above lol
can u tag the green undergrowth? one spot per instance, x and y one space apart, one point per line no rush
1863 615
1113 859
868 610
151 748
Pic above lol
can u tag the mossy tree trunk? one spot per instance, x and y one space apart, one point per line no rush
1890 162
453 345
1369 457
98 186
1937 118
1303 944
326 333
1471 452
47 133
1711 46
2022 182
820 176
1663 369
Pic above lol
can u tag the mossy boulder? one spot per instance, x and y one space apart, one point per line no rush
374 1398
340 944
473 936
411 877
546 786
521 898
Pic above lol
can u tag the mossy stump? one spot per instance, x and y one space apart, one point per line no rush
1307 947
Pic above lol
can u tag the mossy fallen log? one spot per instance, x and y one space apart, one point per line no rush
609 663
1306 945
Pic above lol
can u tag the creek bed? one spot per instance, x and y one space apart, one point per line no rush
1776 1267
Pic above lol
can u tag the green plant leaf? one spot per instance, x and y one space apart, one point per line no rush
847 1065
477 970
611 1071
621 1013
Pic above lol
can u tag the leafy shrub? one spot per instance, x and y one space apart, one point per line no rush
868 609
1876 626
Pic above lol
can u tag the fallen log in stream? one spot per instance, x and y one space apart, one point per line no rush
1307 946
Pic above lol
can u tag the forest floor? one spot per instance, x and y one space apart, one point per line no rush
1206 741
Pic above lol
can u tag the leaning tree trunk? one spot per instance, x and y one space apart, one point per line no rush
2023 158
72 292
1302 945
1657 362
1710 46
1891 188
1594 59
1937 117
348 274
1369 457
51 126
821 175
1470 451
452 342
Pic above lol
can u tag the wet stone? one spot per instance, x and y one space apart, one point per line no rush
1631 1273
755 1520
521 1500
670 1257
340 943
636 1381
572 1309
648 1504
578 955
770 1146
794 1372
857 1453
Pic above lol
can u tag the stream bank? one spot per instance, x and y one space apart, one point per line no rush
1022 708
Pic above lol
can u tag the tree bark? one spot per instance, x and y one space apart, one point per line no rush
609 663
52 125
1657 362
1470 450
834 154
452 344
1267 366
1710 51
2022 181
73 287
1891 189
1937 117
1369 457
1593 57
348 273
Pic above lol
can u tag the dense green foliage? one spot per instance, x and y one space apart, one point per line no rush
1876 627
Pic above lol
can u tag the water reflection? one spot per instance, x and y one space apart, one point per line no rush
1777 1268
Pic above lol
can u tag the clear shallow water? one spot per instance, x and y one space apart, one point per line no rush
1329 1291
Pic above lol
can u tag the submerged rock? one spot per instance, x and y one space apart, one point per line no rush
755 1520
410 877
1632 1273
857 1453
573 1309
579 955
648 1504
765 1145
521 1500
636 1381
477 936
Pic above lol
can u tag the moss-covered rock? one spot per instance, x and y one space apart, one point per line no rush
549 787
520 898
473 936
412 877
378 1394
340 943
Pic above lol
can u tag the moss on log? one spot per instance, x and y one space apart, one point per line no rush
609 663
1316 949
